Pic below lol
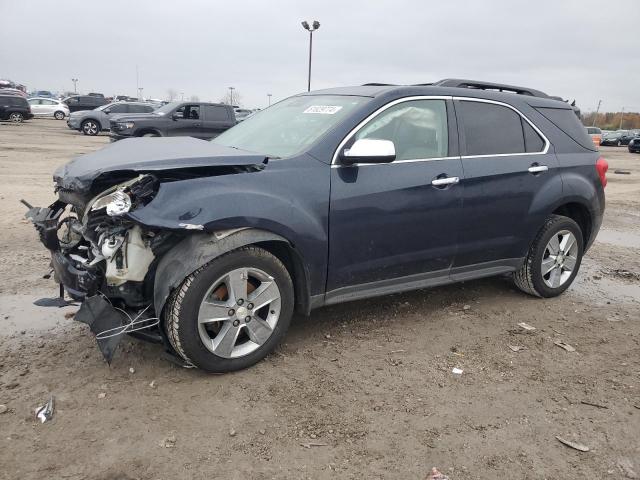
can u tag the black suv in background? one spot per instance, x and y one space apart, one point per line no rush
84 102
177 119
14 108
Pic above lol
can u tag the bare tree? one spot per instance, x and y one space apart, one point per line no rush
194 98
237 98
172 93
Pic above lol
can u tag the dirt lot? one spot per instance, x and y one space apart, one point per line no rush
362 390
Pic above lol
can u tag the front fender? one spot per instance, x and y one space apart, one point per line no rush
195 251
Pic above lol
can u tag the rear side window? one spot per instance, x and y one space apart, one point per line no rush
18 102
593 131
567 121
119 108
491 129
214 113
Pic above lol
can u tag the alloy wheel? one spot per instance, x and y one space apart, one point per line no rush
59 116
16 117
559 259
239 312
90 128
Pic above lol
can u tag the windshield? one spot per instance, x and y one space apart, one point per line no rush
168 108
288 127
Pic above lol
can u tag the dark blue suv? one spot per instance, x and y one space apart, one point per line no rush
322 198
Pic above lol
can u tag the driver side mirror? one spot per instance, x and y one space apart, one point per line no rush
369 150
107 111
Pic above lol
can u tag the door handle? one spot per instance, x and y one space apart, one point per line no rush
197 125
538 168
441 182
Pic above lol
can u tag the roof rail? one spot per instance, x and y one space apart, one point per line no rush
475 84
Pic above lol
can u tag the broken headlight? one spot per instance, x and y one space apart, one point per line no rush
116 203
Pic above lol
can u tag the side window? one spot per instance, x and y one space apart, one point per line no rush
48 102
119 108
190 112
72 100
532 141
417 128
214 113
491 129
34 101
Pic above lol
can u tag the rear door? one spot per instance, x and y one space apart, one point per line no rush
37 108
510 178
390 227
216 120
48 107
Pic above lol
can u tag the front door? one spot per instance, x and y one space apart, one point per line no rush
216 120
510 173
395 226
188 122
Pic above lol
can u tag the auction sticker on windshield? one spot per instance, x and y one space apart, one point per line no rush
324 109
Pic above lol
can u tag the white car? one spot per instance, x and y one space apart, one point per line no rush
48 107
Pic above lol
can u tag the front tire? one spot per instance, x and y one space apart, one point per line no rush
90 127
59 115
553 260
16 117
232 312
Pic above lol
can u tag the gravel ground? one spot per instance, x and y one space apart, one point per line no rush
360 390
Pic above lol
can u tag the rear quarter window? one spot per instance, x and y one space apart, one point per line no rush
568 122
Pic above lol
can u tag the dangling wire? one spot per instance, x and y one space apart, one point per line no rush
134 324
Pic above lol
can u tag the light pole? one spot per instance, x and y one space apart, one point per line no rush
311 28
182 96
231 89
140 89
621 118
596 115
269 95
75 81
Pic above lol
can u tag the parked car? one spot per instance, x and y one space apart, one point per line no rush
325 197
92 122
596 135
94 94
14 108
177 119
634 144
84 102
47 107
617 138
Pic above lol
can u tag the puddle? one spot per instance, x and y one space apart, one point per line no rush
606 289
617 237
18 313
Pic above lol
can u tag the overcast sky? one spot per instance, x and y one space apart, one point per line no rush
582 49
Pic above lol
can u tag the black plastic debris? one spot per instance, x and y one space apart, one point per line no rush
101 316
53 302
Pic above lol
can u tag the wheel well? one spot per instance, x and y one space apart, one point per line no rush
579 214
144 131
293 262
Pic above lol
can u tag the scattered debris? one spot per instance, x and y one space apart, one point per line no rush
466 307
435 474
457 371
69 315
575 445
262 431
327 336
132 370
169 442
314 444
516 348
153 384
3 409
565 346
593 404
232 433
622 172
45 412
397 351
557 332
102 395
526 327
625 465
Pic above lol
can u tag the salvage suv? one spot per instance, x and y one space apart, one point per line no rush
325 197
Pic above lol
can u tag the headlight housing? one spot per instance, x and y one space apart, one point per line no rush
126 125
117 203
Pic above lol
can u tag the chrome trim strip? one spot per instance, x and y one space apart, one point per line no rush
335 164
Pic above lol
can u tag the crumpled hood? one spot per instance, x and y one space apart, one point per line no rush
140 155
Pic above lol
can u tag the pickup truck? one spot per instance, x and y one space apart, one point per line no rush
176 119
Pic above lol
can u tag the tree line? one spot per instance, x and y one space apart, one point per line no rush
611 120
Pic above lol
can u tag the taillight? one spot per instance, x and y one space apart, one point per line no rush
602 166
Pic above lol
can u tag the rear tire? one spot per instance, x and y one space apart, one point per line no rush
16 117
59 115
211 320
150 134
90 127
553 261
